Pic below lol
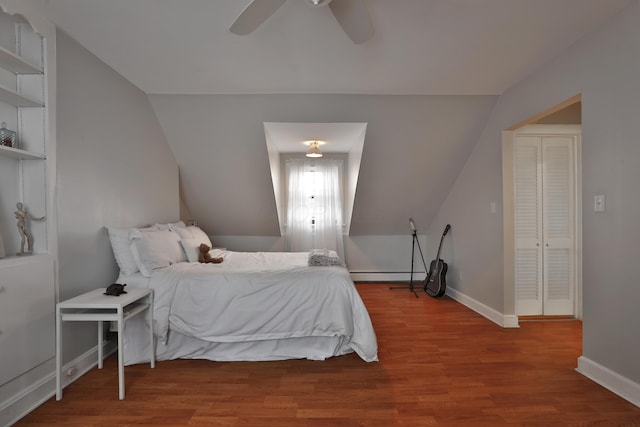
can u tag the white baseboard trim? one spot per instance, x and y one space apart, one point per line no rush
616 383
19 405
84 363
26 400
504 320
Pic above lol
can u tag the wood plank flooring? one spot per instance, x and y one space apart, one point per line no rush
441 364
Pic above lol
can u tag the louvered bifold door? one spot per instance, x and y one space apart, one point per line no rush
528 225
558 224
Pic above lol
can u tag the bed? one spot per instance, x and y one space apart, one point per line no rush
254 306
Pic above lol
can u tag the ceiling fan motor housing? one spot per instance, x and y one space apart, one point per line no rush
318 3
352 15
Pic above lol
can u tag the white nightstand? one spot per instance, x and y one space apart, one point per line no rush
95 306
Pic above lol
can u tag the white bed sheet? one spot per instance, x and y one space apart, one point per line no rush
135 280
254 306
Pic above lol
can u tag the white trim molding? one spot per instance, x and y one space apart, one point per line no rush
504 320
612 381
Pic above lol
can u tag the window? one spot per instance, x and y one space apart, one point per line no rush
314 205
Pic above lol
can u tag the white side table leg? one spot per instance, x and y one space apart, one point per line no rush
120 354
151 337
58 354
100 339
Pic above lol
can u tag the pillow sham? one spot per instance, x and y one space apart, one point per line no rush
121 246
153 249
191 249
197 233
193 232
171 225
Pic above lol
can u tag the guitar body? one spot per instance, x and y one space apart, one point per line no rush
435 285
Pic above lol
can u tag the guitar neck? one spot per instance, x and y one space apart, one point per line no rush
439 248
446 230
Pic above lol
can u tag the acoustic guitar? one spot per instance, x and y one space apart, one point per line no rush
435 284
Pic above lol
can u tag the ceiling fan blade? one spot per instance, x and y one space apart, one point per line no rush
253 15
353 17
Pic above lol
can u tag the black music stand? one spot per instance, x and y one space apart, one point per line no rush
414 240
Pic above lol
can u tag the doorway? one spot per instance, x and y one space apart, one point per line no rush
542 214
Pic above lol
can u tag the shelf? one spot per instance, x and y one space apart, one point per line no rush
17 153
12 97
21 260
16 64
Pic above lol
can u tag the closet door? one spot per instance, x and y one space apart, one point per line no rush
558 225
544 223
528 225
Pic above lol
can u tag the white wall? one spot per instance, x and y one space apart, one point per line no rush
115 168
604 67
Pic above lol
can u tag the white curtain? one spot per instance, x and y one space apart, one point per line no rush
314 205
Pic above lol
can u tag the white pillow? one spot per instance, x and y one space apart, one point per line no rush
171 225
153 249
183 232
191 249
120 243
193 232
121 246
197 233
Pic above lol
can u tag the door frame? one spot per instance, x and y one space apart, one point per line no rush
508 213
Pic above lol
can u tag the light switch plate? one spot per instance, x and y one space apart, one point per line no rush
598 203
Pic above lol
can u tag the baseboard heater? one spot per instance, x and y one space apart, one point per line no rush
386 276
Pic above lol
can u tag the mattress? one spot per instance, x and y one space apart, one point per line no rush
253 306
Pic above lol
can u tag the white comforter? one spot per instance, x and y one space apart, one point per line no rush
255 296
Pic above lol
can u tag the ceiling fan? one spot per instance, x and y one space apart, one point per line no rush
352 15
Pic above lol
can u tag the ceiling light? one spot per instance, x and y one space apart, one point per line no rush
314 148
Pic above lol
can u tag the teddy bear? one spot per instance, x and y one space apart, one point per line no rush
204 256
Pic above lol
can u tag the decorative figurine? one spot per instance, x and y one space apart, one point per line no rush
22 216
7 137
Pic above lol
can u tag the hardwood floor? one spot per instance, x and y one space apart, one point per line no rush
441 364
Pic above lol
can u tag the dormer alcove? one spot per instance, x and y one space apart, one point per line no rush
343 140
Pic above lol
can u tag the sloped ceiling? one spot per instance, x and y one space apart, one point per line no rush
414 148
425 85
419 46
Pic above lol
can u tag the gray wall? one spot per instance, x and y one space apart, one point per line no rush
115 168
604 67
413 149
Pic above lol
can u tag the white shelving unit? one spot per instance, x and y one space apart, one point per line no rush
12 97
16 64
28 284
23 89
16 153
